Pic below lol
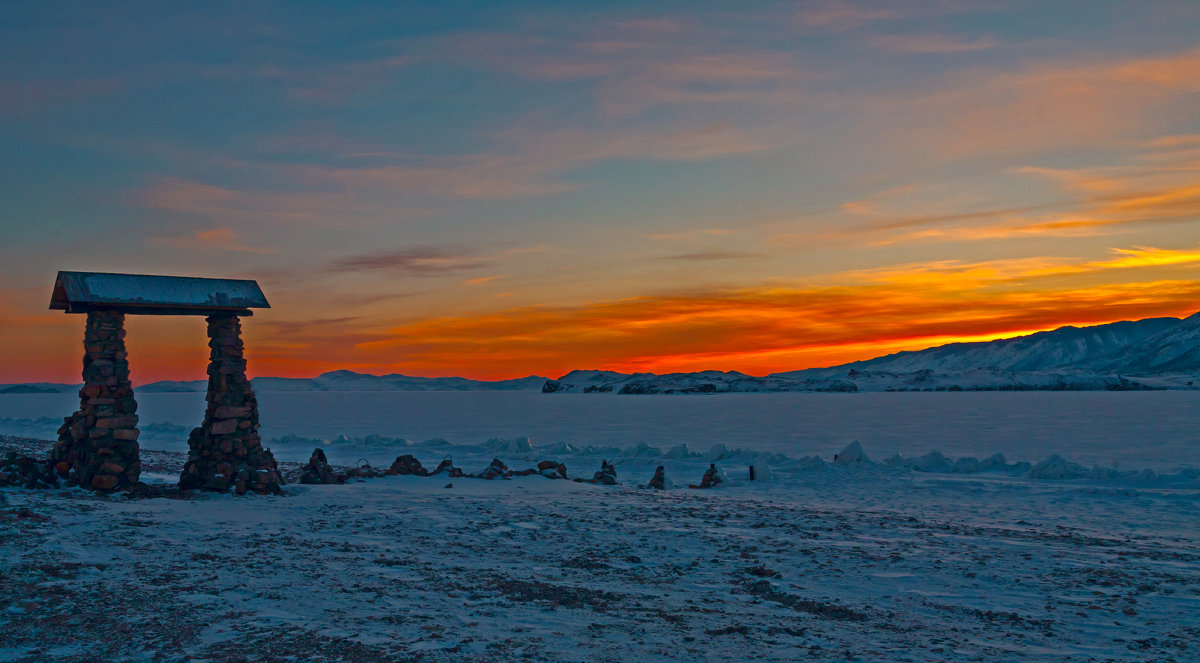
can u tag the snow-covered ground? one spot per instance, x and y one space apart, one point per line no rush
954 555
853 560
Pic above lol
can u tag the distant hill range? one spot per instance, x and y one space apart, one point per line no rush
1155 346
1156 353
332 381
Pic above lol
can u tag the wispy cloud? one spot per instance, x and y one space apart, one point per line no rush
214 239
26 97
842 15
933 43
425 261
484 279
1049 104
708 256
1008 271
251 205
848 316
760 330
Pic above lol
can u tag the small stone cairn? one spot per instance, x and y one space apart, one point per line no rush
497 470
711 478
552 470
97 445
226 451
607 475
318 470
407 465
447 466
659 480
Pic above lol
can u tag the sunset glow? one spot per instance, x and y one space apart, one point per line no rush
499 193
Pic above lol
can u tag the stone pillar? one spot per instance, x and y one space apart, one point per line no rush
97 446
226 451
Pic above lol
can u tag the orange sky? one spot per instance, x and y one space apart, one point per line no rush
504 193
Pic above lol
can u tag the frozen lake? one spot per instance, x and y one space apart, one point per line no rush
1133 430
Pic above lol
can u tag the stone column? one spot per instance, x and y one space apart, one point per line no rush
97 446
226 451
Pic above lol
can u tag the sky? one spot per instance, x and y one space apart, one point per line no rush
495 190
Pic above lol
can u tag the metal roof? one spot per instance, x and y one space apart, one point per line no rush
79 292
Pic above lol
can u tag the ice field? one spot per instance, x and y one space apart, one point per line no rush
1081 544
1128 430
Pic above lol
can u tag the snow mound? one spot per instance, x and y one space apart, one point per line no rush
852 456
810 463
680 451
560 449
642 450
1056 467
763 472
515 447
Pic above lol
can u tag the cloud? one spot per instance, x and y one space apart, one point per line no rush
252 206
1020 270
1155 185
521 161
692 64
1172 142
690 235
428 261
484 279
1046 104
849 316
215 239
761 330
307 326
18 98
707 256
933 43
840 16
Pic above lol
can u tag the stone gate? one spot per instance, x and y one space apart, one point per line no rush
97 446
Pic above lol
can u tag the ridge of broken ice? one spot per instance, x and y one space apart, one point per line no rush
852 458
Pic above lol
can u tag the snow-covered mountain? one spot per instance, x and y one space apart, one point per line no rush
1156 353
1143 347
1175 349
702 382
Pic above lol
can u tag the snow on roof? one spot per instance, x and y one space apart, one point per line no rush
79 292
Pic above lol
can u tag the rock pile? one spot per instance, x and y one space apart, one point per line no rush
659 480
497 470
226 451
27 472
447 465
552 470
318 470
607 475
408 464
711 478
97 446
